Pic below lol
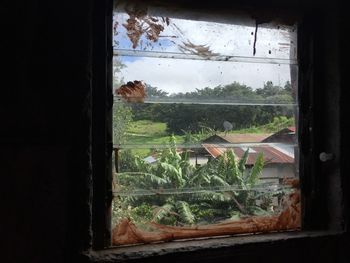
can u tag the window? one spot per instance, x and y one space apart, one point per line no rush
205 122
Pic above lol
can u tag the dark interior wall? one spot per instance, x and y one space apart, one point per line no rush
45 138
45 152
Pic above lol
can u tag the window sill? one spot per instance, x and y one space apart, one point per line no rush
117 254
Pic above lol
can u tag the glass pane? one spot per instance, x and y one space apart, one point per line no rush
187 80
206 34
216 189
204 122
149 124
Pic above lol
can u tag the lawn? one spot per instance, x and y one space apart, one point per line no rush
146 132
147 128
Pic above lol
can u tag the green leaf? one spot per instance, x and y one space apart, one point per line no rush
243 161
259 211
233 174
140 180
213 196
161 212
154 179
184 212
256 170
173 173
217 181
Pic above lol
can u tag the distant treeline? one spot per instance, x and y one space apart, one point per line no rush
193 117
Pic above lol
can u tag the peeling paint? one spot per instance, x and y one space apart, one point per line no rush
199 50
132 91
126 232
141 23
255 38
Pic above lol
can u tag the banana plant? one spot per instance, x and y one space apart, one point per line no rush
234 182
220 188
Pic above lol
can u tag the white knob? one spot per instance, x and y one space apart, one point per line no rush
324 157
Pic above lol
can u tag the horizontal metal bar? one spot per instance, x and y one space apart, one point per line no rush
194 146
143 192
155 54
207 102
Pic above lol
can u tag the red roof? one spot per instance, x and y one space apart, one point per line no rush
291 128
271 154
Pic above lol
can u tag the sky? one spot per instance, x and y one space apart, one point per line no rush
178 75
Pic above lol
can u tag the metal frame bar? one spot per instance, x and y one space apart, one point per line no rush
224 58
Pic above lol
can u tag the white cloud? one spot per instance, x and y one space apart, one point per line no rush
183 75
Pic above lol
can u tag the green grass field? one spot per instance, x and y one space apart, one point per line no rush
147 127
146 132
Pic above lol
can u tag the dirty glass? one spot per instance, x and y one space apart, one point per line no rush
204 124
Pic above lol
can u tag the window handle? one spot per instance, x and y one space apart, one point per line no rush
324 157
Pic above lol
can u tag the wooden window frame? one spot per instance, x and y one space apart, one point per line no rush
317 220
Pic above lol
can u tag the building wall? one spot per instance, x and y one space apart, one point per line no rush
278 171
283 136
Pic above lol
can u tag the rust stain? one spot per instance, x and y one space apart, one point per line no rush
178 29
293 182
115 28
132 91
199 50
141 23
126 232
271 155
255 38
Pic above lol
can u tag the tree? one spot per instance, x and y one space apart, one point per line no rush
118 65
155 92
188 117
122 112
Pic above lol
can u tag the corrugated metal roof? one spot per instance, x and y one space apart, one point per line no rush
286 148
271 154
243 137
150 159
292 128
286 135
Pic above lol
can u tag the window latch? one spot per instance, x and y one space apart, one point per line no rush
324 157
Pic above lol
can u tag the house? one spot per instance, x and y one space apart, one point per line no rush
278 163
277 148
286 135
237 138
203 155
